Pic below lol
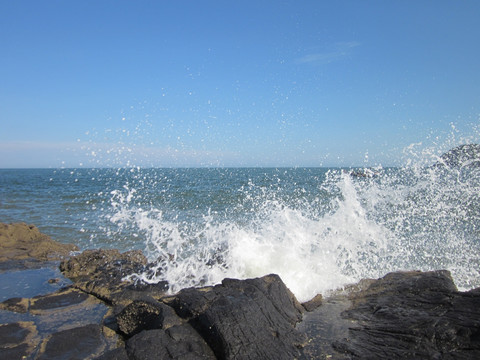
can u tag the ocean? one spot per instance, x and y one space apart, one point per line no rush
318 228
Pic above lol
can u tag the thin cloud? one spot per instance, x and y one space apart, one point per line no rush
340 50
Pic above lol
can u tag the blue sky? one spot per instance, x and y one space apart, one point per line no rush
233 83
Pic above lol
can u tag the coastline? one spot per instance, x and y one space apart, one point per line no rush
90 312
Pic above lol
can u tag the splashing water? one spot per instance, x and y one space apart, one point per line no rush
318 229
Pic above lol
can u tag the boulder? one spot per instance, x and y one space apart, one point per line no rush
404 315
244 319
176 342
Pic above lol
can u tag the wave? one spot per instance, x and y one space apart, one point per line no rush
335 231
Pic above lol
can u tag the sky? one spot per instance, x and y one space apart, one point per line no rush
234 83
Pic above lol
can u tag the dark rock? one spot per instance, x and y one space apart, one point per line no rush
21 241
102 273
146 315
20 351
17 340
462 156
62 298
313 303
100 261
18 305
77 343
412 315
115 354
252 318
177 342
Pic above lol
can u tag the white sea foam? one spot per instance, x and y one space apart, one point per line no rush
400 220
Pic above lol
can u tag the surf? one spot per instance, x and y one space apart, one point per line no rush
332 230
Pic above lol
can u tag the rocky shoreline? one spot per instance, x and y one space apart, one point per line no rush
96 315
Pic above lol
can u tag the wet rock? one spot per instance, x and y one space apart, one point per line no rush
78 343
252 318
146 315
62 298
64 309
410 315
17 340
99 262
313 303
177 342
323 326
102 273
18 305
21 242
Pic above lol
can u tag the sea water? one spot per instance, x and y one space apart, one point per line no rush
318 228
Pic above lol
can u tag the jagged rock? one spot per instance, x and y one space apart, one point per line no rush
102 272
410 315
21 241
177 342
462 156
313 303
146 315
77 343
17 340
241 319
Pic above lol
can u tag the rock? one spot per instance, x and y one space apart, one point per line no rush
313 303
403 315
102 273
21 241
18 305
78 343
242 319
17 340
63 298
177 342
462 156
400 316
102 262
115 354
59 311
146 315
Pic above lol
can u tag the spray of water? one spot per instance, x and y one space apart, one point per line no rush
400 220
347 227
